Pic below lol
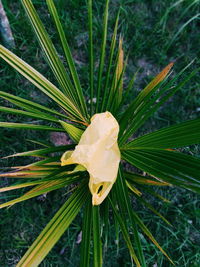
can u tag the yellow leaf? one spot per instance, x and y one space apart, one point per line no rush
119 70
160 77
99 153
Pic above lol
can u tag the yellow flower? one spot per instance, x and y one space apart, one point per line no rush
99 153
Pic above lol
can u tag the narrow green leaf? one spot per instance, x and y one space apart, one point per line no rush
19 186
86 235
150 236
149 107
148 90
104 212
125 234
132 187
74 132
170 166
28 114
29 126
197 16
127 91
116 223
97 261
36 174
102 58
134 217
155 194
68 55
123 199
41 82
112 49
44 144
55 228
55 163
119 72
50 51
91 55
42 189
149 206
144 180
43 151
30 105
114 99
179 135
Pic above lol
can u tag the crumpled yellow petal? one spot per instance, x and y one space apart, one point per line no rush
99 153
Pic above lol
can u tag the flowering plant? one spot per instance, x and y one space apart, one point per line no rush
102 136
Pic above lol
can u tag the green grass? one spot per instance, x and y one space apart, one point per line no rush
155 33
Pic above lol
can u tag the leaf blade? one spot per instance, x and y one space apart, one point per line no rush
68 55
40 82
54 229
179 135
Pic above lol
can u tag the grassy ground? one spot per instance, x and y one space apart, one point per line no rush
155 33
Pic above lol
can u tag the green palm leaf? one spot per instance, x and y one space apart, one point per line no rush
74 132
40 115
86 235
170 166
68 56
97 249
30 105
150 105
29 126
102 57
125 234
179 135
151 153
50 52
55 228
45 187
122 193
41 82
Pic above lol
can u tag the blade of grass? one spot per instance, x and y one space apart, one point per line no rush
197 16
150 236
149 206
